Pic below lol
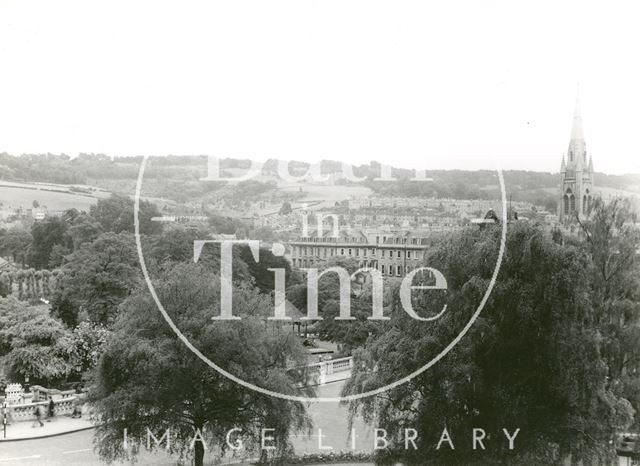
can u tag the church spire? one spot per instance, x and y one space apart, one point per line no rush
577 153
576 128
576 173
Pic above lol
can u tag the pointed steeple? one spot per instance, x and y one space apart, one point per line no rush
577 153
576 128
576 177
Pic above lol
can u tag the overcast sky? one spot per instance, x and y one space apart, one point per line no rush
414 84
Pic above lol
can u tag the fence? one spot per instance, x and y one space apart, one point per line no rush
322 372
27 412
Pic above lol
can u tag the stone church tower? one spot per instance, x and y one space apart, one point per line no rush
576 174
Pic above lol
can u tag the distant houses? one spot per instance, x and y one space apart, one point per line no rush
6 266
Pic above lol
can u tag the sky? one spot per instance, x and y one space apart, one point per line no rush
453 85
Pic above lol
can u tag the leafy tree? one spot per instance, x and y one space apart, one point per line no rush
83 229
147 378
285 209
116 214
96 278
33 343
532 360
347 334
612 241
176 244
259 271
86 345
15 243
46 234
5 285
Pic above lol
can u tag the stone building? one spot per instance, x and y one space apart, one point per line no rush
576 174
393 253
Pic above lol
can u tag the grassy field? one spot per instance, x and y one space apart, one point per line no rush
17 197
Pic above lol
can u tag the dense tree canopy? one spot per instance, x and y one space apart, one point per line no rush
147 378
612 242
349 335
47 234
533 359
116 214
96 278
14 243
33 343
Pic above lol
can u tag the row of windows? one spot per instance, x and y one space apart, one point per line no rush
569 202
331 239
391 270
398 269
354 252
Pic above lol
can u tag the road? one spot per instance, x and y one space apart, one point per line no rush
76 449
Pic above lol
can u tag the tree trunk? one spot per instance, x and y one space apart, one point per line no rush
198 455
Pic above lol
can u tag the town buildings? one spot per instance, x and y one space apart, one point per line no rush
393 253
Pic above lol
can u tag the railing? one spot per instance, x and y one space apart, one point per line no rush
27 412
322 372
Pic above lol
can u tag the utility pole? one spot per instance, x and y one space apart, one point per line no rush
4 419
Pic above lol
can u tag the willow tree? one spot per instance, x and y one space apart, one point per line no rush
148 379
531 361
612 240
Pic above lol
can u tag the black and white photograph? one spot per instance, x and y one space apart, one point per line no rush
319 232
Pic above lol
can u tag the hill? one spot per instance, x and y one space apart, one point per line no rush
179 179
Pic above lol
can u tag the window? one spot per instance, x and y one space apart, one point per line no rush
357 251
399 270
377 239
349 251
383 270
391 270
398 254
408 254
373 252
342 251
383 253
